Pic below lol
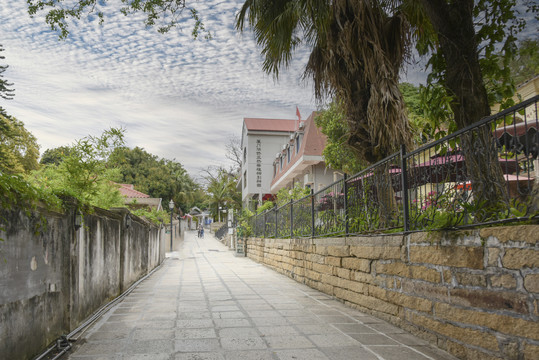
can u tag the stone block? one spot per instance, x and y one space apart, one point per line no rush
506 281
341 251
531 283
410 302
409 271
326 288
466 335
426 290
520 233
457 256
448 276
343 273
316 258
531 352
487 299
324 269
367 302
493 256
375 252
313 275
362 277
333 261
465 352
356 264
501 323
468 279
516 258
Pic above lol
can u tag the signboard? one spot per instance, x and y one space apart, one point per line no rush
258 163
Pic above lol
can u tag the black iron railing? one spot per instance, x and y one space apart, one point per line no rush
484 174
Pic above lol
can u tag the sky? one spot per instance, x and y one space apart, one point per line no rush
178 98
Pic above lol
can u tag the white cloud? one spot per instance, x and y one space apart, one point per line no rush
177 97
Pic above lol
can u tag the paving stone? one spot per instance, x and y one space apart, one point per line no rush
100 348
196 345
225 323
238 332
152 334
205 333
244 343
277 330
249 355
330 340
288 342
199 356
150 346
349 353
228 315
374 339
194 323
355 328
301 354
397 353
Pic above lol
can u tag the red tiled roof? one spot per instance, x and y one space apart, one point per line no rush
128 190
257 124
314 140
313 143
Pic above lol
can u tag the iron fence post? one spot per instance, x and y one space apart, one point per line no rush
264 224
291 220
345 191
312 213
404 179
276 222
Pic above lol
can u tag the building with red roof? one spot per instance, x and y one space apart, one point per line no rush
300 160
136 199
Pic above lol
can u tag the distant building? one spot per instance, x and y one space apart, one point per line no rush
137 200
261 139
300 160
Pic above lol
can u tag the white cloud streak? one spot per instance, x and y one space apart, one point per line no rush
177 97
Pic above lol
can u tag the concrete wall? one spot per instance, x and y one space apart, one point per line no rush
472 293
53 277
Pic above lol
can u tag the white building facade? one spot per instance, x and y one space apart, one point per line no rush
261 140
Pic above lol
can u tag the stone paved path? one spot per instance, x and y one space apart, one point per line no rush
206 304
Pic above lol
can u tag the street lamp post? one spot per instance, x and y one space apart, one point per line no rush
171 207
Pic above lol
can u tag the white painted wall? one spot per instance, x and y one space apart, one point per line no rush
270 144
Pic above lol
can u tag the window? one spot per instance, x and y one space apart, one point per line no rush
245 179
282 161
244 154
298 143
289 153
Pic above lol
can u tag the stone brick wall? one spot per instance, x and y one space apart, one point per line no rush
472 293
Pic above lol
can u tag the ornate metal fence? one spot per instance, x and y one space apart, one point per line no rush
486 173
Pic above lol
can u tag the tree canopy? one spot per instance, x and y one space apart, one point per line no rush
159 178
163 14
6 92
19 150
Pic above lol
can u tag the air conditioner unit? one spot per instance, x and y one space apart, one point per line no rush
292 137
308 179
277 155
284 147
301 125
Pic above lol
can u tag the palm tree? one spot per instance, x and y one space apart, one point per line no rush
357 49
221 189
